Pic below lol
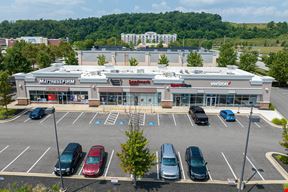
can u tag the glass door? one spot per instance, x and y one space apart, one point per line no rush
211 101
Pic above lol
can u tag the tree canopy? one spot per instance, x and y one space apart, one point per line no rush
227 55
194 59
279 67
248 61
163 60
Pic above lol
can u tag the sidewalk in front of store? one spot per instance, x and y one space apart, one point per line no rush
267 114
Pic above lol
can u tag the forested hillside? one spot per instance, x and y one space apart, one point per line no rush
186 25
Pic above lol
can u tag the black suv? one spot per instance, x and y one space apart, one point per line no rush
196 164
198 115
69 159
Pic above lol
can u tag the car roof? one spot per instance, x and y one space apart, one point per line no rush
37 109
71 147
195 151
95 150
168 150
228 111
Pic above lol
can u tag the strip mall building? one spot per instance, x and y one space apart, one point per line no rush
143 86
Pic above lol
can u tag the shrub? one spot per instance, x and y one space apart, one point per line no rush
282 158
271 107
277 121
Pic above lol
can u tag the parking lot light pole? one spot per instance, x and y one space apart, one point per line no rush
52 111
241 184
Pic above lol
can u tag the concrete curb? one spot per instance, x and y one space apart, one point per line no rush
15 117
269 122
277 166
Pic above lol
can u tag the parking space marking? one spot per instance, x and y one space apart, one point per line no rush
45 118
4 149
93 118
255 168
77 118
111 118
80 172
38 160
240 123
107 168
189 119
181 165
222 121
209 173
157 165
173 116
235 177
27 120
15 159
158 119
257 124
62 117
144 118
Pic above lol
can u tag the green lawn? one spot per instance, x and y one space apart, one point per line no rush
3 115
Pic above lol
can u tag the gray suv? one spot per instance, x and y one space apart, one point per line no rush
169 166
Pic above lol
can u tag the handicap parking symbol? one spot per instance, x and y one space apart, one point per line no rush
151 123
97 122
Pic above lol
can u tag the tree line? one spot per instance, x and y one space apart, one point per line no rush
186 25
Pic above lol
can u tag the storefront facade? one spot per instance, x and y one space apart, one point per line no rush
143 86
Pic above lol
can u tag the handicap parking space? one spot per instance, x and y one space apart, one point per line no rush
151 120
122 120
99 119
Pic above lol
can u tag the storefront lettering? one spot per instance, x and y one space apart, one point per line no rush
138 82
220 83
180 85
57 81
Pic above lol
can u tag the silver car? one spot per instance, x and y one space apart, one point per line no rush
169 166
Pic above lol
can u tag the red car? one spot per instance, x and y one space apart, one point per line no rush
94 161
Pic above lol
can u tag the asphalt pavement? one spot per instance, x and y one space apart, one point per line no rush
279 98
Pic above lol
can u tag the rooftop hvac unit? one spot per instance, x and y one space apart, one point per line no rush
115 71
198 71
186 71
140 71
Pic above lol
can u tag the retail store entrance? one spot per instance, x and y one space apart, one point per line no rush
211 101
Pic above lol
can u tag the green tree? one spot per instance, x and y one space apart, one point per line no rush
133 61
160 44
227 55
139 41
194 59
43 59
207 44
1 60
15 61
267 59
248 61
163 60
71 59
5 89
279 67
136 159
101 59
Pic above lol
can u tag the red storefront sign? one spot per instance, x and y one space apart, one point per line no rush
180 85
57 88
138 82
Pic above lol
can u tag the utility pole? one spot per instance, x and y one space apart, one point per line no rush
245 152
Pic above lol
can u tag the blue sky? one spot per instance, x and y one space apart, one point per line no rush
236 11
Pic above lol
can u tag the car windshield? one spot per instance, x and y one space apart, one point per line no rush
197 162
92 160
66 158
169 161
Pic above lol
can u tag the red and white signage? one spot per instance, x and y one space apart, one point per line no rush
139 82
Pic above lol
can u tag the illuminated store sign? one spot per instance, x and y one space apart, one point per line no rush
138 82
57 81
180 85
220 83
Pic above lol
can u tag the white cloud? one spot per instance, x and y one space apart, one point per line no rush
136 8
160 7
49 2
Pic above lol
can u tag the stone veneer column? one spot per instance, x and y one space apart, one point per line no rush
94 103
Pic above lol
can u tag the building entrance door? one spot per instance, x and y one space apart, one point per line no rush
211 101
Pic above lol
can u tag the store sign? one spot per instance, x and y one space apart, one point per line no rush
139 82
57 81
220 83
57 88
180 85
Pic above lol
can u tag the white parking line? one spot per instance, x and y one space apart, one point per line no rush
255 168
107 168
15 159
234 175
93 118
182 169
77 118
80 172
209 173
38 160
222 121
62 117
4 149
158 119
257 124
174 119
240 123
190 119
106 120
116 118
27 120
157 165
45 118
144 119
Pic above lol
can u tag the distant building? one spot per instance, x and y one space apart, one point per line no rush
6 43
34 40
148 37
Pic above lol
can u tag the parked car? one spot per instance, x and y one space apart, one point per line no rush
95 161
228 115
169 165
198 115
69 159
196 164
37 113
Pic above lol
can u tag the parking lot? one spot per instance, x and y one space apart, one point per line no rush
29 145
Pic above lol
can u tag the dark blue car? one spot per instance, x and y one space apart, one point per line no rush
228 115
37 113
